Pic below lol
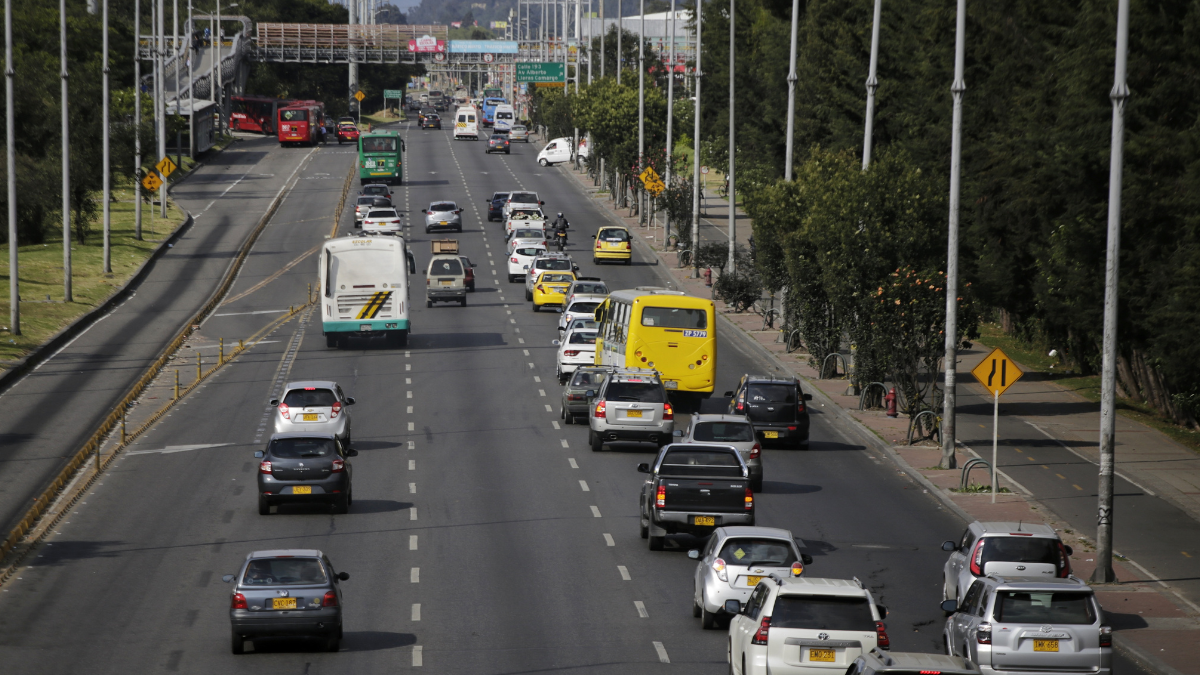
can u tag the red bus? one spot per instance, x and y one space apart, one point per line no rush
300 123
255 113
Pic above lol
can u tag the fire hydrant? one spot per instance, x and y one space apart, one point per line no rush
890 400
708 276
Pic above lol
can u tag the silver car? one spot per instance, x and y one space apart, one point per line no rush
735 430
518 133
316 406
734 560
443 216
1006 548
1029 625
286 593
631 406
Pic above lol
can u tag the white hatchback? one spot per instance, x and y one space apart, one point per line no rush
382 221
577 348
521 257
579 307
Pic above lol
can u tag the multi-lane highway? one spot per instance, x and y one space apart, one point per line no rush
485 536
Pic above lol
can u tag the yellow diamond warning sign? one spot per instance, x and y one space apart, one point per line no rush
165 166
152 182
996 372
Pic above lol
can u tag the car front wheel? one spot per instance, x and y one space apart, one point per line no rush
543 162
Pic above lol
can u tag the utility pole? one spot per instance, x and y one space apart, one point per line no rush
220 89
949 461
175 51
603 31
14 291
696 154
872 85
791 80
137 119
620 30
642 109
191 25
66 155
591 34
670 98
107 171
1108 376
161 104
353 73
732 132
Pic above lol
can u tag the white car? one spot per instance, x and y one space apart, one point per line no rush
521 257
578 307
803 626
524 219
576 348
555 262
734 560
521 200
382 221
526 238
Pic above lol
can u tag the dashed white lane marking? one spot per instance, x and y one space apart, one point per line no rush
624 573
410 409
408 380
409 394
571 460
537 378
512 320
564 442
542 392
407 353
412 542
412 513
412 445
412 488
417 661
608 540
641 609
530 365
662 652
555 423
595 512
408 366
412 465
416 613
584 486
521 340
526 352
415 575
411 426
548 408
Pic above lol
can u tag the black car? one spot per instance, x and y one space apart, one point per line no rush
425 112
496 206
497 143
414 103
776 406
431 121
300 467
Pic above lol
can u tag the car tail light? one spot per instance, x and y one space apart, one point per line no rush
668 412
1105 636
264 467
756 451
741 404
571 352
983 635
881 637
541 289
719 567
1064 562
977 559
660 499
763 632
600 410
283 410
797 568
574 397
516 261
330 599
339 465
238 601
800 407
749 500
337 409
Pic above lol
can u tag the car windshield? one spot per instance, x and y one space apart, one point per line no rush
524 197
305 398
613 234
284 572
588 378
583 323
726 432
446 266
771 393
529 251
591 289
583 338
674 317
553 264
583 307
382 213
441 207
745 551
1071 607
555 278
299 448
1020 549
823 612
641 392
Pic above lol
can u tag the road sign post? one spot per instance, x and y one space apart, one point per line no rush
996 372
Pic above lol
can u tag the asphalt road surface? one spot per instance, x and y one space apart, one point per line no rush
485 536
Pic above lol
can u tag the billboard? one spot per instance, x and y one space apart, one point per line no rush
499 25
483 47
426 44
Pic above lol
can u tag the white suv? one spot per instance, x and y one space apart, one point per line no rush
1011 549
521 257
804 625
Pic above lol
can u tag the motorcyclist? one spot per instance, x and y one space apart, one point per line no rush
559 230
560 223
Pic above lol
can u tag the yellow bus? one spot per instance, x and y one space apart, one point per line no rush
669 331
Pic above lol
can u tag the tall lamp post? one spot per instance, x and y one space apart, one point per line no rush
696 152
732 133
872 85
14 292
66 155
107 177
791 80
642 108
949 461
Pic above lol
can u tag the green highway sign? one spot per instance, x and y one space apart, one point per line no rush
541 72
393 93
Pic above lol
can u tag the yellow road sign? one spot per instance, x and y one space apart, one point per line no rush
996 372
165 166
650 176
358 95
152 182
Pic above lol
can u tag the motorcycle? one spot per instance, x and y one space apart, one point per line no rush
560 237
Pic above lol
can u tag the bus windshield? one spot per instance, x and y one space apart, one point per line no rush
360 267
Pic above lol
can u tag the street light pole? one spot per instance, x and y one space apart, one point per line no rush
949 461
732 132
1108 376
872 85
191 86
66 155
220 86
14 291
107 177
603 30
696 154
137 119
642 108
161 103
670 96
791 80
620 30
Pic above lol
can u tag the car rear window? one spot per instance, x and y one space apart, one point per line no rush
591 289
1020 549
442 206
822 612
553 264
376 190
500 196
383 214
366 201
301 398
446 266
299 448
583 323
727 432
747 551
1070 607
588 338
641 392
284 572
529 251
588 378
524 197
613 235
771 393
530 234
584 307
674 317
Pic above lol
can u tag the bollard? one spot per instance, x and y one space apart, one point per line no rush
176 384
291 309
241 345
309 294
221 352
124 410
198 371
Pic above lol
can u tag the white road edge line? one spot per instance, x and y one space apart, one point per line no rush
1086 458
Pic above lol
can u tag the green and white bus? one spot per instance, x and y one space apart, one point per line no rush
381 157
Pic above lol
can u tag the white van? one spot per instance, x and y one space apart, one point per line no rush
556 151
364 289
466 124
505 118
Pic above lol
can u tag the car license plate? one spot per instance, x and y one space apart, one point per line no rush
310 417
447 283
444 222
753 581
770 434
633 413
670 384
826 655
1045 645
301 490
709 521
283 603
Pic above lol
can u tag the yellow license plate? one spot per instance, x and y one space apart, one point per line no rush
753 581
826 655
1045 645
301 490
633 413
704 520
770 434
283 603
447 283
310 417
444 222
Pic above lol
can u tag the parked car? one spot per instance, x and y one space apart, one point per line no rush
733 430
577 348
732 563
776 406
580 390
313 405
693 489
305 467
497 143
495 204
469 270
1029 625
443 216
1010 549
286 593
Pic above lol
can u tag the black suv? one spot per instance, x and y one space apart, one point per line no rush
496 206
776 406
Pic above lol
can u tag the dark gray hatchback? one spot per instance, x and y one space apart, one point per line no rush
776 406
286 593
305 467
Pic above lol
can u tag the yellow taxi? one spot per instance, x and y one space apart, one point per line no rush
551 288
613 243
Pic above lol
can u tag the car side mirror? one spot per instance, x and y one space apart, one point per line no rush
808 397
643 468
733 607
574 267
728 393
949 546
950 606
591 393
882 611
274 401
349 400
541 203
593 236
343 576
258 454
228 578
678 433
1069 550
806 558
556 343
351 452
424 211
694 554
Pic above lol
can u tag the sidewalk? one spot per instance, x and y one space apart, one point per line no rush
1156 625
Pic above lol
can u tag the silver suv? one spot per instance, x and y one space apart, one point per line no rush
734 560
1023 624
1012 549
316 406
735 430
631 406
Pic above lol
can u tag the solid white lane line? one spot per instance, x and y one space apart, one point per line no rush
415 575
416 612
595 512
608 540
412 542
662 652
417 661
584 486
572 461
624 573
641 609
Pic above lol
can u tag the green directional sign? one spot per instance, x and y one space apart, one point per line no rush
393 93
541 72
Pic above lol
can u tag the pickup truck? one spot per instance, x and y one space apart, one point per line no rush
694 488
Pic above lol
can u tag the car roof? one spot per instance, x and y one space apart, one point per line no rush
589 297
908 661
285 553
1019 528
714 417
1040 584
300 384
755 531
628 373
818 586
381 208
